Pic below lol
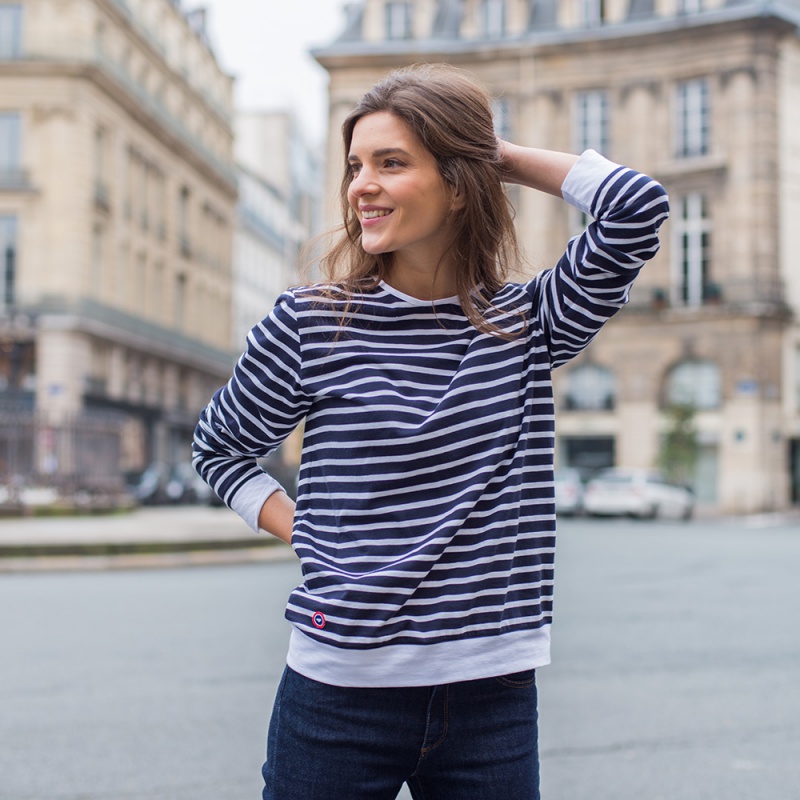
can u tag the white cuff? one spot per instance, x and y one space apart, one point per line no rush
248 501
584 179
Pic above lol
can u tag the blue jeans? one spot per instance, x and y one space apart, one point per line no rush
474 740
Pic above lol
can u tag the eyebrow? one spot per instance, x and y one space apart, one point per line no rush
384 151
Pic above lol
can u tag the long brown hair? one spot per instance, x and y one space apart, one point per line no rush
451 115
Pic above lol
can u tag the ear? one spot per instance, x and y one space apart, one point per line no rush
457 201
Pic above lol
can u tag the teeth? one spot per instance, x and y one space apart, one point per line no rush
375 214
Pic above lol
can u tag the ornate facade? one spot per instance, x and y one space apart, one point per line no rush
117 206
703 95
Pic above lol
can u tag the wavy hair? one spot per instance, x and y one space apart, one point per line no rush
450 113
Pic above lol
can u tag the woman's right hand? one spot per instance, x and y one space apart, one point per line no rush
277 516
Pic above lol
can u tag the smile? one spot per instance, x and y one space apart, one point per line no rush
375 214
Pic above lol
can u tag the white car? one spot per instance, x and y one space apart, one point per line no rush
637 493
568 492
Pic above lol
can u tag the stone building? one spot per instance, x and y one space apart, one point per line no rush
278 212
705 96
117 204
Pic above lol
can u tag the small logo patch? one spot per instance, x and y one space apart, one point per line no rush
318 619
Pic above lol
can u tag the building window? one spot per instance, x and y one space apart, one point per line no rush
590 388
183 222
102 198
8 260
543 14
398 20
591 13
692 118
98 260
100 34
695 383
641 9
179 308
690 6
493 18
797 378
591 121
10 31
10 147
692 249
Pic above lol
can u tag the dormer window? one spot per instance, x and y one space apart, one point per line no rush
398 20
493 19
592 13
690 6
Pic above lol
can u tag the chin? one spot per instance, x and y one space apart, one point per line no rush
373 249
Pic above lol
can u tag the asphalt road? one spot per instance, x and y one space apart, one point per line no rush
675 672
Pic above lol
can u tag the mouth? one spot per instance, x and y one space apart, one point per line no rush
368 215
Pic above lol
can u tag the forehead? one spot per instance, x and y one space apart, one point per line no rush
383 130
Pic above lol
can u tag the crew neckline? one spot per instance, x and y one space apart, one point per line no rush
417 301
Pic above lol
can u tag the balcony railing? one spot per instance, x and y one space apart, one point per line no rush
749 294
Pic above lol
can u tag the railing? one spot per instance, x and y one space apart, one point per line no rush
78 454
749 294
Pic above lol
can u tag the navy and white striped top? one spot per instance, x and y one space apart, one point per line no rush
425 520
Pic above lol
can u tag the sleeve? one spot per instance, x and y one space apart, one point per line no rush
592 279
249 417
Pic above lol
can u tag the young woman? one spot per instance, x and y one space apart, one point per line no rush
425 521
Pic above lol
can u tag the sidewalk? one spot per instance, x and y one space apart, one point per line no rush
169 536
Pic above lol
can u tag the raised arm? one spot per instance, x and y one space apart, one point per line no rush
544 170
591 281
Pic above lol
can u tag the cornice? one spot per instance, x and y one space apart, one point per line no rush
140 106
125 17
387 52
88 316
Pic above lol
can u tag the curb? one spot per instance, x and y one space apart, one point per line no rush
94 557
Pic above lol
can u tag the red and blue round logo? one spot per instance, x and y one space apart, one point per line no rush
318 619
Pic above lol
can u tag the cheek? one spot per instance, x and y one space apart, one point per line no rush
352 200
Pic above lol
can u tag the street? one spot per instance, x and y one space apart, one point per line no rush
674 675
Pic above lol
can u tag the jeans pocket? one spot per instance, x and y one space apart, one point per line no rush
518 680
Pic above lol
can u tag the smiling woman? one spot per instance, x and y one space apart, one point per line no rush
449 179
425 515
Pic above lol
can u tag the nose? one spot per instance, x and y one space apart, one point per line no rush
364 183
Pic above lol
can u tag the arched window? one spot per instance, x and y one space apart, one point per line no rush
696 383
590 387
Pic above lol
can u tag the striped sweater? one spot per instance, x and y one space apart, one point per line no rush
425 521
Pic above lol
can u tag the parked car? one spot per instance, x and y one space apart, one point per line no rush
161 484
569 492
638 493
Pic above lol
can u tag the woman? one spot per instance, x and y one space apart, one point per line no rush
425 519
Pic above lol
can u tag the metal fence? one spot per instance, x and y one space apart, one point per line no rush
38 458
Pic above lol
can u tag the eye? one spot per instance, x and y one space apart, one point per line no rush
354 167
393 163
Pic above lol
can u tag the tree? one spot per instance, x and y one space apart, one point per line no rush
679 447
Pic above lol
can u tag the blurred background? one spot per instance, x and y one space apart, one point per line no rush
163 165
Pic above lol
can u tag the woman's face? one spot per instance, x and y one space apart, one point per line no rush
397 192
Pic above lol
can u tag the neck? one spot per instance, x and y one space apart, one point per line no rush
425 282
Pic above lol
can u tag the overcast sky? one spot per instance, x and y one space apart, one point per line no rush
265 43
